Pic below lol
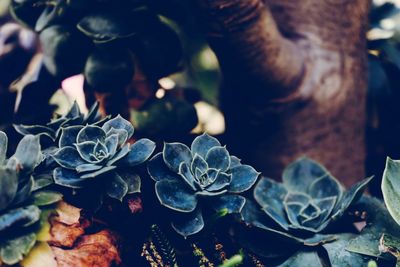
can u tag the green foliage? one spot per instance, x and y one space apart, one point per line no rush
186 177
20 204
391 188
166 251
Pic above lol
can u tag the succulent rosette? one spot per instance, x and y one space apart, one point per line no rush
205 175
304 205
73 117
102 155
21 202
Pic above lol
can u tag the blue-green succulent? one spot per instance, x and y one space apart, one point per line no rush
90 153
304 206
73 117
21 201
205 175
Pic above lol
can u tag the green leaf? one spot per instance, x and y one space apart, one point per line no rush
45 198
118 187
391 188
339 256
8 187
3 146
390 244
12 251
28 152
176 195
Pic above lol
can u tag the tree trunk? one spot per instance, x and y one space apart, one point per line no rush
295 80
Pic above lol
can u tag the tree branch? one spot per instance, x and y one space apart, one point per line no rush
249 44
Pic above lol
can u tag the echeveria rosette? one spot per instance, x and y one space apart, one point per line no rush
21 205
73 117
304 205
186 178
90 153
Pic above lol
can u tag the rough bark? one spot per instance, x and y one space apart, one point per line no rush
294 80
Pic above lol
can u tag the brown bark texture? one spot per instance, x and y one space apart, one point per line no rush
295 80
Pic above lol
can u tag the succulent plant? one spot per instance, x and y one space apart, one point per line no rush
21 203
71 118
301 208
186 178
90 153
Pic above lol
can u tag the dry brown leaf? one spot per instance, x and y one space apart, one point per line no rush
96 250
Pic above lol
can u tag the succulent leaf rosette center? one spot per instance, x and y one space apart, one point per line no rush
186 177
303 206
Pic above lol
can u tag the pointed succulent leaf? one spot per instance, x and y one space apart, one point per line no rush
119 155
218 158
3 147
390 188
349 197
278 215
198 163
326 204
203 143
41 182
119 123
118 187
35 130
301 173
325 186
13 251
121 133
91 133
28 152
68 157
24 216
235 161
270 193
206 193
295 197
188 224
132 180
140 151
243 178
292 211
158 170
93 114
232 203
187 175
85 150
111 143
44 198
100 172
8 187
176 153
74 111
176 195
221 182
251 214
67 178
100 151
69 135
88 168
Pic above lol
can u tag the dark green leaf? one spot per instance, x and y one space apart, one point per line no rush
44 198
176 195
8 187
12 251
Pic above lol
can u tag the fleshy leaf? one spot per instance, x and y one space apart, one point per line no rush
44 198
68 157
120 155
118 187
140 151
132 180
326 186
176 195
218 158
235 161
28 152
243 178
233 203
14 250
88 168
301 173
3 146
121 133
8 187
176 153
391 188
91 133
119 123
21 216
158 170
69 135
198 163
292 211
35 130
203 143
187 175
67 178
111 143
221 182
189 223
85 149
